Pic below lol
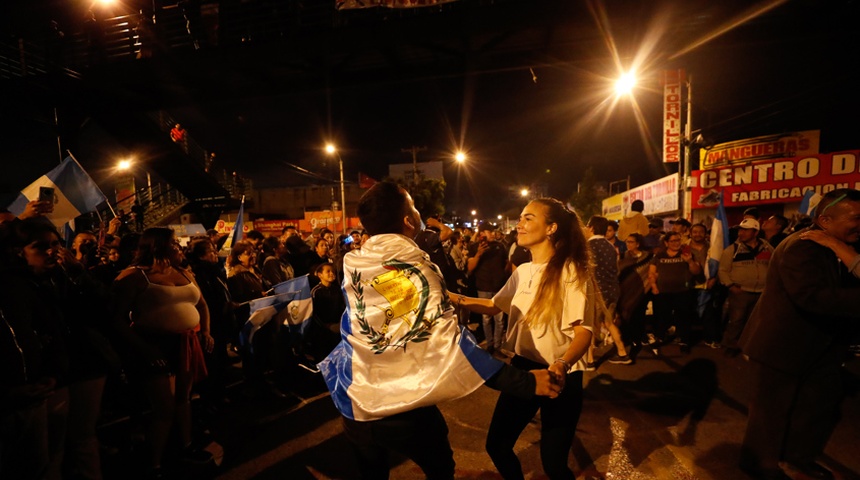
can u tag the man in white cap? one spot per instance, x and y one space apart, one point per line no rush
743 269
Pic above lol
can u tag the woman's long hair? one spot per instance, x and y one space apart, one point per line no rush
238 249
570 249
156 244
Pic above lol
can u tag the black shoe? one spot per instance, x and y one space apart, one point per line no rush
621 359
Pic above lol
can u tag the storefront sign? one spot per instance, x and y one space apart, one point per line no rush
776 181
672 115
274 227
659 196
227 227
787 145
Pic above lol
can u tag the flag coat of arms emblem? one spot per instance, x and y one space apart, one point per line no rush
290 303
402 347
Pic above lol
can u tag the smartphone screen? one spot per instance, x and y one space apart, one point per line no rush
46 194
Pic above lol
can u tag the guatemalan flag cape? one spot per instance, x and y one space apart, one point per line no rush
401 345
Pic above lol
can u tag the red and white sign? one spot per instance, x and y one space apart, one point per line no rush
227 227
659 196
786 145
776 181
672 115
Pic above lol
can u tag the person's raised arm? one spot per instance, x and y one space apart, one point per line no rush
483 306
845 252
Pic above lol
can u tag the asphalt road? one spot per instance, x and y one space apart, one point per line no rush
668 417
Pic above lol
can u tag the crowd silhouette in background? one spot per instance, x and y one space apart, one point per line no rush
138 305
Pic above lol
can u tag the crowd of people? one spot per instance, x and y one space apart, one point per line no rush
544 296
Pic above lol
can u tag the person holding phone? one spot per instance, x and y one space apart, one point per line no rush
673 275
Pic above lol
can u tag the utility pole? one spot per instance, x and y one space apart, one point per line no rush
685 178
414 151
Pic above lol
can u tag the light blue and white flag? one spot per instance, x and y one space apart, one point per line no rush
290 303
809 202
237 232
719 240
75 193
401 345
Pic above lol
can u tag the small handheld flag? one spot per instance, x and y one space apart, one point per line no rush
75 193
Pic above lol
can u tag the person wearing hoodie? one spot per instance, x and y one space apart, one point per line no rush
633 222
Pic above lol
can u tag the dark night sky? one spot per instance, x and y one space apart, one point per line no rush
793 68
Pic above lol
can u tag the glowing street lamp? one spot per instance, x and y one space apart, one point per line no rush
126 164
474 212
524 192
460 157
624 85
331 150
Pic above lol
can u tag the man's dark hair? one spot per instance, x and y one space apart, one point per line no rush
325 231
831 199
598 224
752 211
288 227
781 221
254 235
382 207
613 224
637 206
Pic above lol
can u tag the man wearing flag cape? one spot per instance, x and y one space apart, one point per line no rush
402 350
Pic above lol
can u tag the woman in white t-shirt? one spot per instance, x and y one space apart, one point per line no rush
550 303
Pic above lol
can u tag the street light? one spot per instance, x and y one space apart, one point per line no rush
524 192
126 164
624 85
331 150
460 157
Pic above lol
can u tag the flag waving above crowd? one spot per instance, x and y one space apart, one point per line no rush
74 193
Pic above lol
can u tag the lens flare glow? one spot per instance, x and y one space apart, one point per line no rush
625 84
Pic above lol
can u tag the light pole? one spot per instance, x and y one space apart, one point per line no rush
331 150
624 87
460 157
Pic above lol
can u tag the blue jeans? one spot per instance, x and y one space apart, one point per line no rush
494 325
